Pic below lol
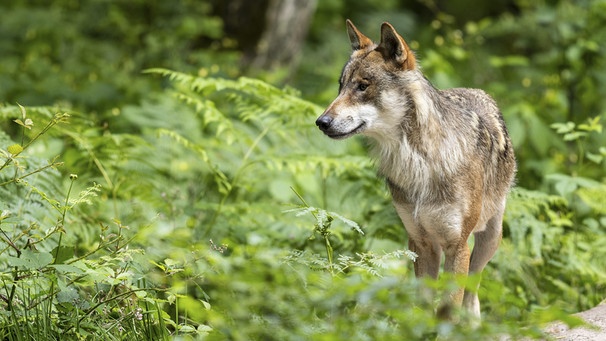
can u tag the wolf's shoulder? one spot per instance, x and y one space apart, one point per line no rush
470 99
467 95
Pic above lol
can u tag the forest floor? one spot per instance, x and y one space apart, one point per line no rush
595 317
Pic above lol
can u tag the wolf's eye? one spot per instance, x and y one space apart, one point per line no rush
362 86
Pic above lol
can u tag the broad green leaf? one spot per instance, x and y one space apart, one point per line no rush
67 295
31 260
67 269
62 253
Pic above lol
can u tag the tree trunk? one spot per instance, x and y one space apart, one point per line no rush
270 33
286 25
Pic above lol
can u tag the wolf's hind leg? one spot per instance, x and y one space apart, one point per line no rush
485 246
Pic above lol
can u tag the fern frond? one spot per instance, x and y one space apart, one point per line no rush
247 92
348 222
199 150
594 197
221 179
86 195
337 166
532 215
54 203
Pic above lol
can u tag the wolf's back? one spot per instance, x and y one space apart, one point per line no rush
482 123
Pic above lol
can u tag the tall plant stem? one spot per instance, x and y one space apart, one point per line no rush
73 178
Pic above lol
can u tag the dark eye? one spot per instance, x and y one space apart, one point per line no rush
362 86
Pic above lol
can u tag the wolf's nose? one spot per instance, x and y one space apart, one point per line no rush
323 122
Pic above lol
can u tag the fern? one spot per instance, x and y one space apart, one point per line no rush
246 93
530 215
550 253
594 197
251 137
368 262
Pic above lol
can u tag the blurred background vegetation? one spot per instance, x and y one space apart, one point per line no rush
188 130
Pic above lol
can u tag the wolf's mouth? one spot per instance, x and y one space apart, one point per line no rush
339 135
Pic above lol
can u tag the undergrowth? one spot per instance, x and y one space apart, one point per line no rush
225 216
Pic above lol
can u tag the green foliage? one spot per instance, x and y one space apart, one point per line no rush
213 209
249 142
542 67
384 303
323 226
547 253
51 287
128 284
560 230
67 52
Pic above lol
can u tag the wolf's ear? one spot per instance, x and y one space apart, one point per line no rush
358 40
393 47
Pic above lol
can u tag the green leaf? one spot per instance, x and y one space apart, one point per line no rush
206 305
66 269
38 259
15 149
63 253
23 112
593 124
565 187
28 123
67 295
187 329
575 135
563 128
204 329
31 260
596 158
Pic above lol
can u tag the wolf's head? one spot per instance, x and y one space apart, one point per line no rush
368 87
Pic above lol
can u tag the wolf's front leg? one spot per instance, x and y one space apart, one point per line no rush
457 262
427 262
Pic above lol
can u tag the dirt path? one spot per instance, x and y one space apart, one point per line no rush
595 316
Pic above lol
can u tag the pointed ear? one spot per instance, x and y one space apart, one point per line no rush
358 40
393 47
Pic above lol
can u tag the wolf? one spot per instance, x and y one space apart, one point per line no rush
445 155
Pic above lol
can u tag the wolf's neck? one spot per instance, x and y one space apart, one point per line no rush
420 148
